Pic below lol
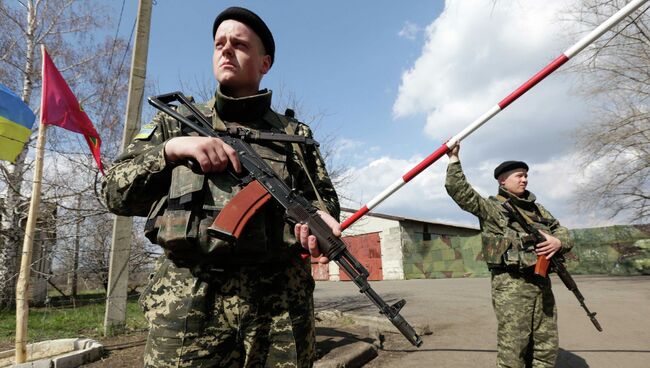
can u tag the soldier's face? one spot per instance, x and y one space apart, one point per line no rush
515 181
239 60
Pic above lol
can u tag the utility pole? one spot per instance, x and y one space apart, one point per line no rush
73 277
118 273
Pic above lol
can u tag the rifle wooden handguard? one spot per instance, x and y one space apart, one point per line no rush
235 215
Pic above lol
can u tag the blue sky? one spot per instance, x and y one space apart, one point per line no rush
342 59
393 80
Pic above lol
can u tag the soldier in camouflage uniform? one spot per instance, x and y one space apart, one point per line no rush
523 302
211 303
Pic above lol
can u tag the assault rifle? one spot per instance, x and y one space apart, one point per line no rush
557 261
262 184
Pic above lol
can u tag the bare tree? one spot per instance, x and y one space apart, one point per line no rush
96 72
615 147
339 171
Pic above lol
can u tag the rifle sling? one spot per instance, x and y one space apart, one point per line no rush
542 265
289 129
280 123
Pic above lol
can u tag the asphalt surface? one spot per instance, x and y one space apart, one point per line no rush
459 314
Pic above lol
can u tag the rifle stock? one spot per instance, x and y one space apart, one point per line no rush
298 209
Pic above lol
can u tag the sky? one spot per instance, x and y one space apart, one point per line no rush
390 81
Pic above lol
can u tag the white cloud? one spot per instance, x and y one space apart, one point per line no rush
474 55
554 182
382 172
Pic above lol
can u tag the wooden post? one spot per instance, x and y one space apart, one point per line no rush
22 286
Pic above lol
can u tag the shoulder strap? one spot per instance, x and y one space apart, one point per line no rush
530 218
207 110
503 200
290 125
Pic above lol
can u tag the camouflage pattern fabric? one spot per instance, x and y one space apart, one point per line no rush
141 175
210 303
620 250
526 320
523 303
443 256
241 317
503 240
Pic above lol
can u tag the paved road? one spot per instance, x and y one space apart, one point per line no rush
459 313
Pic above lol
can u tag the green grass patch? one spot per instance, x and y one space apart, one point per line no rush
81 320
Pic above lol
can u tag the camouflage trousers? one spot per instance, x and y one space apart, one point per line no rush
527 320
252 316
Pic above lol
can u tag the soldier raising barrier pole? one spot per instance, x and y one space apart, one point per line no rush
550 68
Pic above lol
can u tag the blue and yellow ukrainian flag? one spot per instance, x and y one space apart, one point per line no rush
16 120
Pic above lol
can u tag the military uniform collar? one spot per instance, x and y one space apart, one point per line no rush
526 202
242 109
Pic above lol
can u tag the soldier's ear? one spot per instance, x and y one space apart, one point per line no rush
266 64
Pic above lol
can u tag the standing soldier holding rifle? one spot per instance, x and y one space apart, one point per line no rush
523 301
212 302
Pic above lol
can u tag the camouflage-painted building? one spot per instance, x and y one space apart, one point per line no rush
381 242
395 248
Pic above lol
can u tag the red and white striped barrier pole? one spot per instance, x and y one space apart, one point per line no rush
550 68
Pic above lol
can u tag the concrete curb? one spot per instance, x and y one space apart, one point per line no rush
358 353
348 356
61 353
383 324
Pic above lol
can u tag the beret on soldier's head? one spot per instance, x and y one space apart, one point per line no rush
253 21
506 166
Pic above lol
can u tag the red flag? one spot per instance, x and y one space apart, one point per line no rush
60 107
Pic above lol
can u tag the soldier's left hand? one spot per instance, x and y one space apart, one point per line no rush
548 247
309 242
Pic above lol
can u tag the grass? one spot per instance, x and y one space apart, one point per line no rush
84 319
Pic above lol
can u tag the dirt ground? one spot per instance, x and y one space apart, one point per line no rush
459 313
127 350
122 351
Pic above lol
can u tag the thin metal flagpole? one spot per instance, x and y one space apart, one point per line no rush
550 68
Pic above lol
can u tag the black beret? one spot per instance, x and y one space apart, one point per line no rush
506 166
252 20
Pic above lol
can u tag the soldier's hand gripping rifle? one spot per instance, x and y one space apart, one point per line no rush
262 184
557 261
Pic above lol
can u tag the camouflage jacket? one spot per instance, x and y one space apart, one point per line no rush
504 241
143 183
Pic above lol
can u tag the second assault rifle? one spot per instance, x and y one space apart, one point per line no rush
262 184
557 261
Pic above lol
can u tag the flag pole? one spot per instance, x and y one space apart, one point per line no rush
550 68
22 286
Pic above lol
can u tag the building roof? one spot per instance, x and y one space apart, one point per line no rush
400 218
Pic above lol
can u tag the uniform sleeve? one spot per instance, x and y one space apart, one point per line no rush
464 194
318 172
557 230
495 225
140 175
